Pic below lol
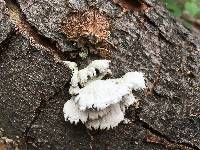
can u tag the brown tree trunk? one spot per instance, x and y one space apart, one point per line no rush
137 35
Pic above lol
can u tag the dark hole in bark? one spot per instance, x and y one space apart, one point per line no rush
133 3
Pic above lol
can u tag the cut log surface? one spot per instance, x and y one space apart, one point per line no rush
141 35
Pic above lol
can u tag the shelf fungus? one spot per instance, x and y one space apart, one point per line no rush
98 103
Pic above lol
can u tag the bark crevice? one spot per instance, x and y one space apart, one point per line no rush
161 138
37 39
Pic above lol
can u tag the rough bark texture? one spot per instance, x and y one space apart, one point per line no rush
35 36
5 27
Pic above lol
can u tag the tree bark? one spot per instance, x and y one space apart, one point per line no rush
36 36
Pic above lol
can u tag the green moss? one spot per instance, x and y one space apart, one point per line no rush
84 53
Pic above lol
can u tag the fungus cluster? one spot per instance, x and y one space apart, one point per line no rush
98 103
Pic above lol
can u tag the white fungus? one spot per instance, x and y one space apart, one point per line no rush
110 120
100 104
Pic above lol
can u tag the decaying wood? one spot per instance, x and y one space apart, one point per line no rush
36 36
